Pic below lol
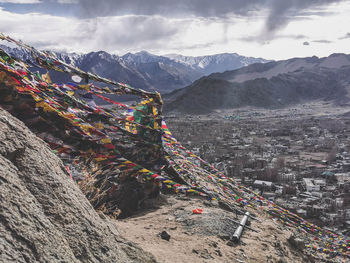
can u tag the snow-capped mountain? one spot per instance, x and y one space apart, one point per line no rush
144 70
143 57
216 63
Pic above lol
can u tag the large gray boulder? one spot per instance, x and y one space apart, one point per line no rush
44 215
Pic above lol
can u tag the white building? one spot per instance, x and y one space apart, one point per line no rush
310 186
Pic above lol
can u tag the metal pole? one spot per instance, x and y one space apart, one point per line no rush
237 235
236 222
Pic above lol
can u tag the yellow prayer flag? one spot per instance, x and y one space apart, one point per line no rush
46 77
106 140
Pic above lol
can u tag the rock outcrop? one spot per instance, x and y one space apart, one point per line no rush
44 215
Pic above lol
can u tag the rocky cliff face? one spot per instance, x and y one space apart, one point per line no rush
44 215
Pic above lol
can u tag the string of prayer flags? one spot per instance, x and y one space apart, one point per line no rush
125 145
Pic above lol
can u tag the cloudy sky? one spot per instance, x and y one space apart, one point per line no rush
272 29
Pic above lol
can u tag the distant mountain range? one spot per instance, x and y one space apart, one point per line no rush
146 71
273 84
215 63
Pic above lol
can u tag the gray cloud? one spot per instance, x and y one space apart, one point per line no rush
323 41
306 43
316 12
276 36
140 28
137 32
204 8
280 12
118 34
195 46
132 25
20 1
347 35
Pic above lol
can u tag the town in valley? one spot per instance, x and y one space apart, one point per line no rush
299 156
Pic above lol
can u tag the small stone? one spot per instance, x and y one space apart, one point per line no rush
281 260
206 203
205 254
230 243
224 237
164 235
218 252
296 243
214 244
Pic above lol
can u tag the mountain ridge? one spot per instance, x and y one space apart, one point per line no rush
144 70
274 68
215 63
273 84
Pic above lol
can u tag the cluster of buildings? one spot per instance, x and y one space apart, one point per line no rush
303 164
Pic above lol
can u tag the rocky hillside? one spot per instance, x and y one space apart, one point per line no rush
44 215
46 218
144 70
274 84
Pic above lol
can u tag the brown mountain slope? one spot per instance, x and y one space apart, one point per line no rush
208 94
